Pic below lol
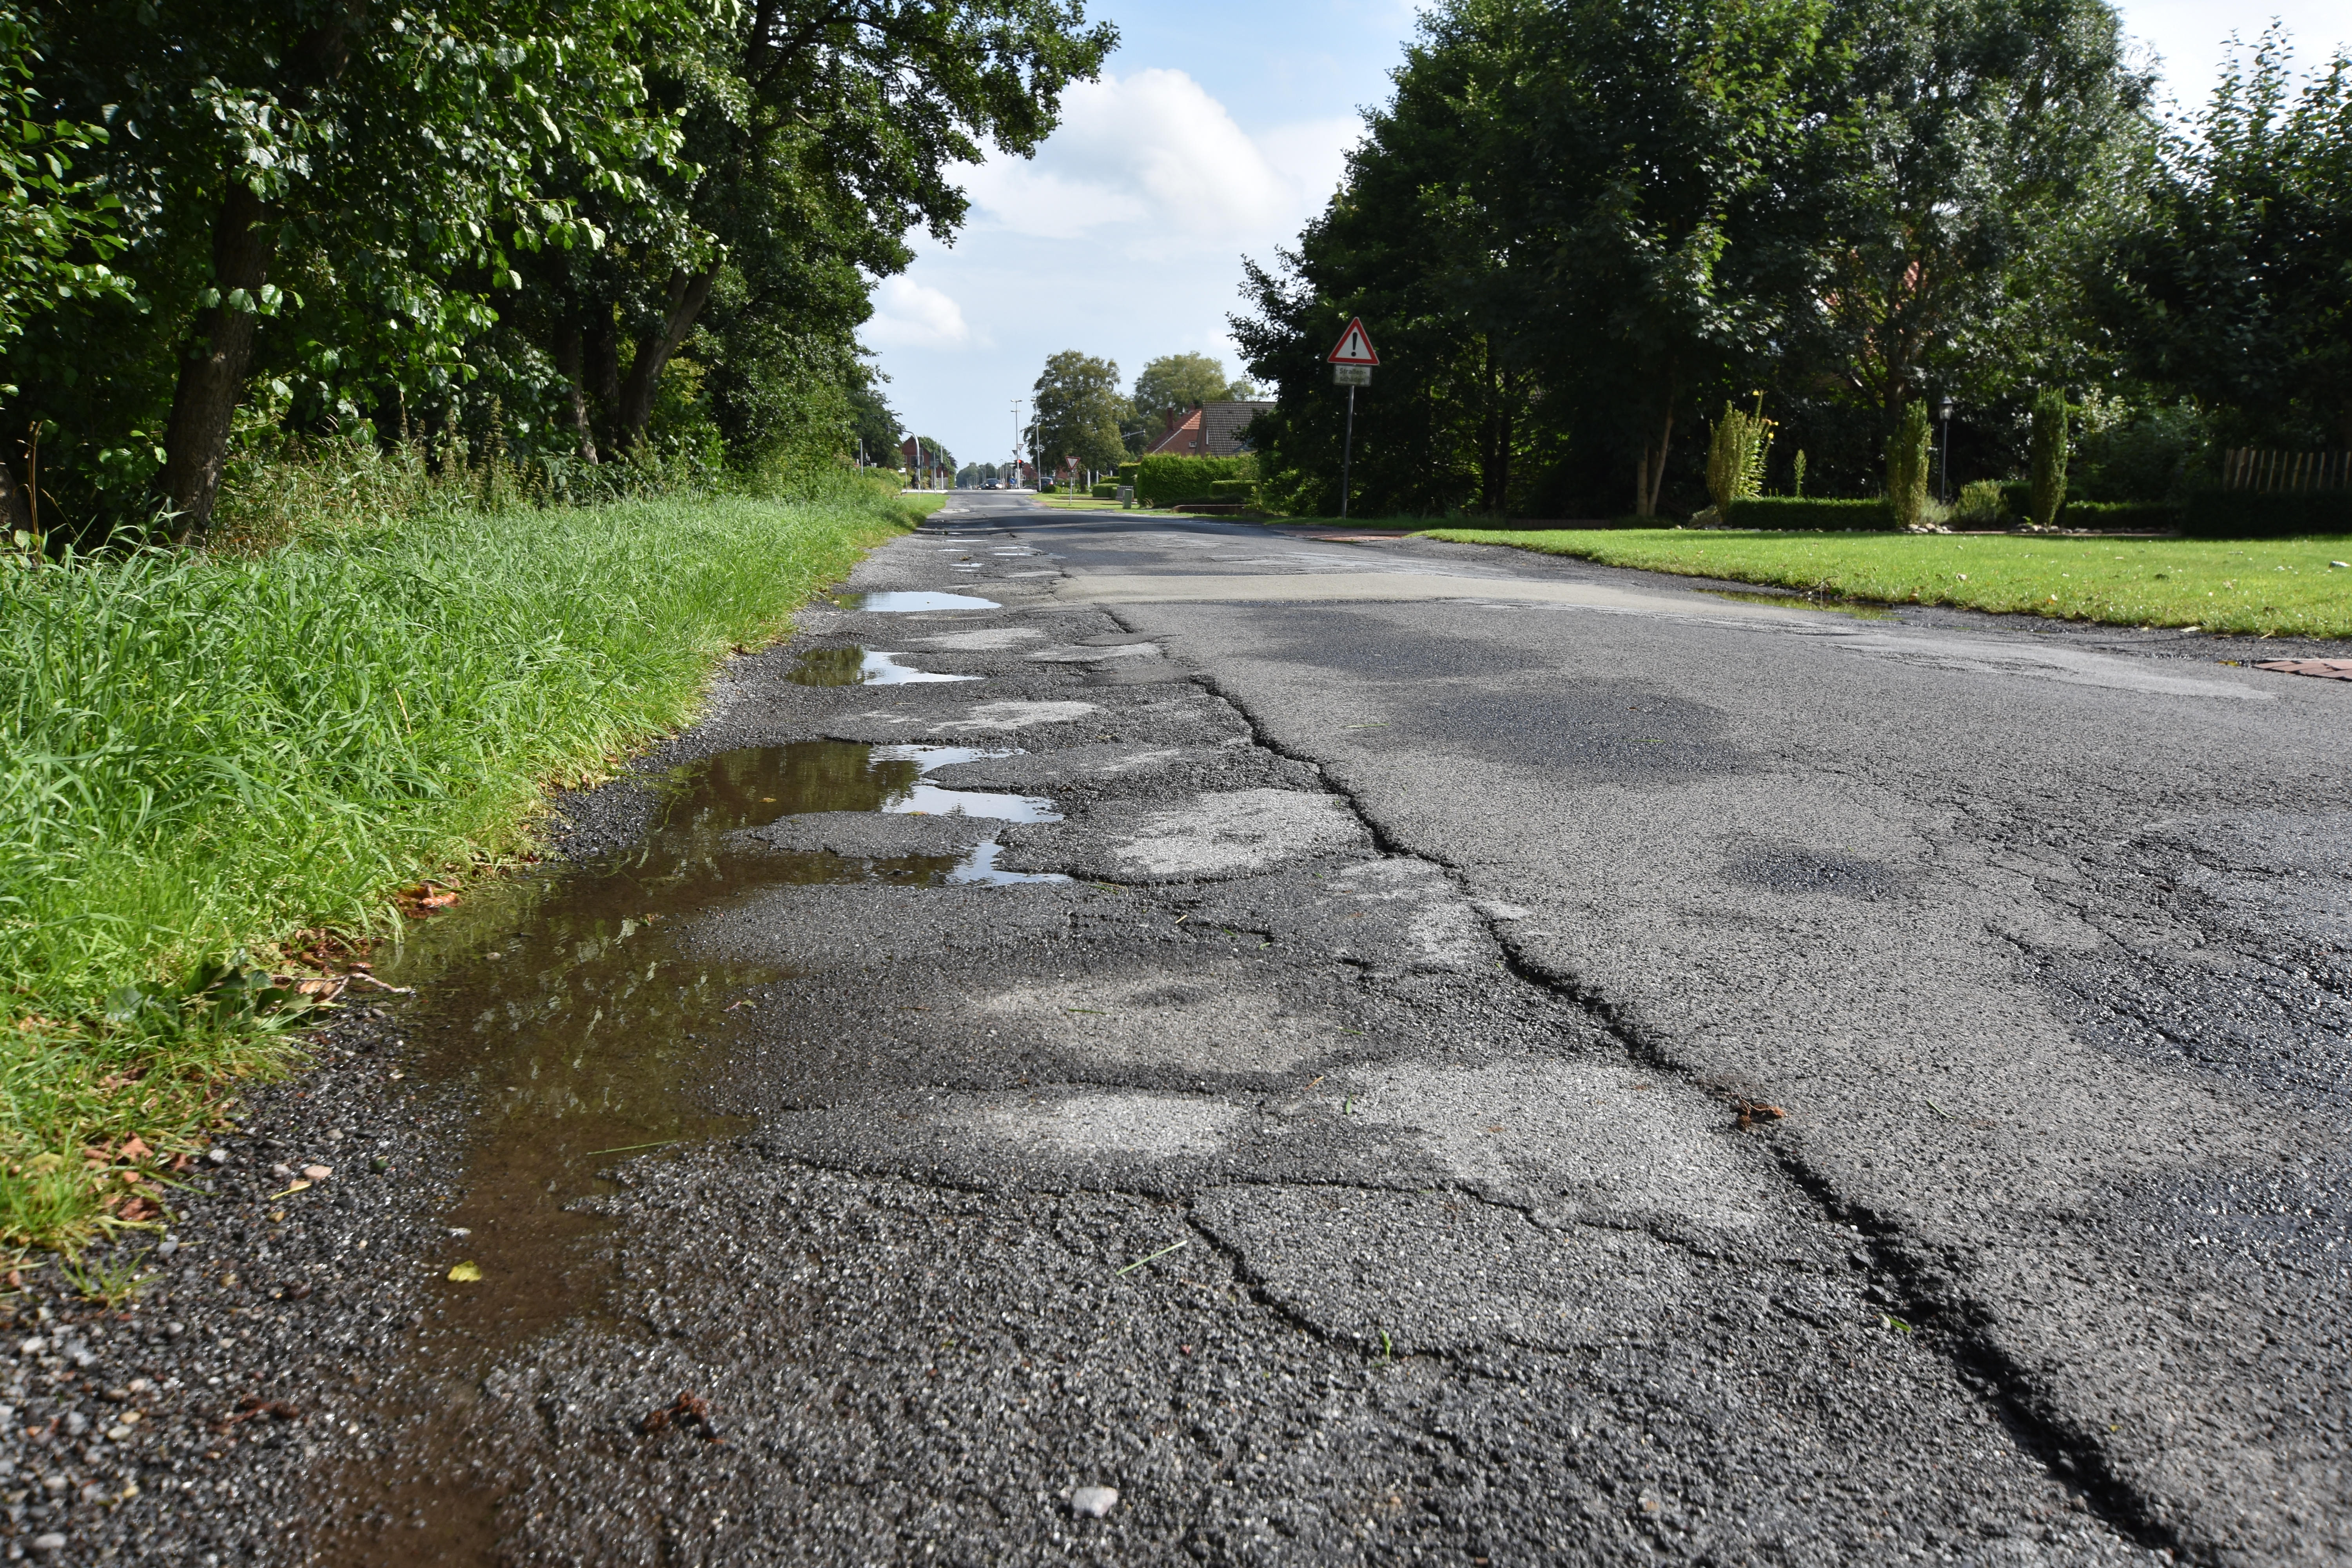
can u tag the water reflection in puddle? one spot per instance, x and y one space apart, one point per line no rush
934 801
898 601
1800 602
860 667
584 1032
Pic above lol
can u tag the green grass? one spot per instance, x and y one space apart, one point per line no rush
2282 587
205 753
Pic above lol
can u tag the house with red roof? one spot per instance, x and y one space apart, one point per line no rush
1205 431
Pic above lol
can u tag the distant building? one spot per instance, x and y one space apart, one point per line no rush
1210 430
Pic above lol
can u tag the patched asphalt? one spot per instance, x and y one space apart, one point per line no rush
1553 1067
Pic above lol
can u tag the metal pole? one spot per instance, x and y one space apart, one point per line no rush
1346 452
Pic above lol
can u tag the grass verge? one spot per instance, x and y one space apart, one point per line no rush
2279 587
205 754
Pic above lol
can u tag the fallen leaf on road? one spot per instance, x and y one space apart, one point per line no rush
252 1407
689 1411
1752 1111
466 1273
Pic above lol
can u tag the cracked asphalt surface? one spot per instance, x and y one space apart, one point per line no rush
1376 1052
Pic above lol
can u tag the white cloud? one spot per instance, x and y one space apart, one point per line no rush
907 315
2189 36
1153 154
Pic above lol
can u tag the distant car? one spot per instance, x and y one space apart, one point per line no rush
988 485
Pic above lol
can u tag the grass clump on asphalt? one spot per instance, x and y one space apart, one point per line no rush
2281 587
205 753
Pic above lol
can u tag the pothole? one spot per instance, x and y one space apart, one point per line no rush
585 1030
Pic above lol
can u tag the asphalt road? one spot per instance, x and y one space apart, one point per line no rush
1382 1052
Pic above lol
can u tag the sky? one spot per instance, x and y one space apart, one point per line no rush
1218 129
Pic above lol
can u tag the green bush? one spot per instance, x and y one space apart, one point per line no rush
2156 455
1736 456
1169 481
1234 490
1979 505
2249 514
1778 513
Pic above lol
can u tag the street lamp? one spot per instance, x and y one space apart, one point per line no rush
1943 413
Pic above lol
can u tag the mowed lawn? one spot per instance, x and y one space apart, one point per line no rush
2284 587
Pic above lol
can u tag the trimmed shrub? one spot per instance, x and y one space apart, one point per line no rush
1907 465
2121 516
1165 481
2048 470
2252 514
1787 513
1105 492
1234 490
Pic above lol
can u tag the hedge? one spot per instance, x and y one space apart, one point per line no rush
1778 514
1164 481
2252 514
1105 492
2120 515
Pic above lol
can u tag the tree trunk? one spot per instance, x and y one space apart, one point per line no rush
602 343
196 444
1649 478
1494 438
688 294
15 510
571 359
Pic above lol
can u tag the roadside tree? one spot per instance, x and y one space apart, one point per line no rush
2234 288
1077 410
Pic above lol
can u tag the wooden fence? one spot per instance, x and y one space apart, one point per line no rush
2246 469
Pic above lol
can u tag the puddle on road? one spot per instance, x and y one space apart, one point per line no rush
897 602
859 667
1798 602
561 1001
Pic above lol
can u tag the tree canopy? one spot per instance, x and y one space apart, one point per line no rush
594 231
1580 228
1075 413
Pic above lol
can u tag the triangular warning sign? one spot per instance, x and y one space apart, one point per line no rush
1355 347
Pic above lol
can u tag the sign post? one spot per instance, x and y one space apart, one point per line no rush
1352 364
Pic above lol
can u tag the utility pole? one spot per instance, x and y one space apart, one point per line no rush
1346 454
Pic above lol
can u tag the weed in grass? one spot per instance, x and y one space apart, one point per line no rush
199 753
108 1284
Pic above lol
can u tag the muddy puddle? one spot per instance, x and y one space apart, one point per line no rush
897 602
860 667
560 1003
